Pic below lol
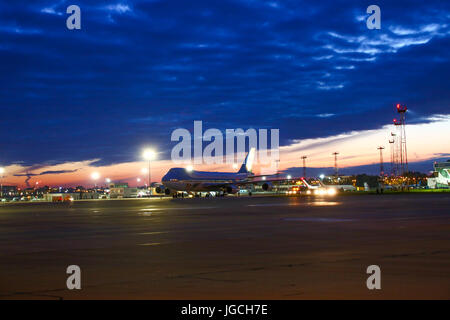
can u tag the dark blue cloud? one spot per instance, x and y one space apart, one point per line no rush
139 69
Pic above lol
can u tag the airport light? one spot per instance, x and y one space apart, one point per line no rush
108 180
322 176
2 171
149 155
289 177
95 176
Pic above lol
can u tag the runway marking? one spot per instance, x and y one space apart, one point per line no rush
149 244
190 208
318 219
149 233
272 204
146 213
314 203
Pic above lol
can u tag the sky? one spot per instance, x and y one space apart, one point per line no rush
77 101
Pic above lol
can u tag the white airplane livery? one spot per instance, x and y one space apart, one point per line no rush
181 179
192 181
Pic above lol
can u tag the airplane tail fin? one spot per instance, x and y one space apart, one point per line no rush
248 162
306 183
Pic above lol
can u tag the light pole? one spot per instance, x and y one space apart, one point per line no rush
95 176
381 160
304 165
2 171
335 164
149 155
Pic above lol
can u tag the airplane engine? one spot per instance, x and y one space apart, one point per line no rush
267 186
167 191
160 189
232 189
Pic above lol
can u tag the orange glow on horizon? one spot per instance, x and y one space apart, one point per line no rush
425 141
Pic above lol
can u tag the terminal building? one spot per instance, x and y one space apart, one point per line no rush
441 176
122 190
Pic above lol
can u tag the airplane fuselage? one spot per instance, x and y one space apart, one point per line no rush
180 179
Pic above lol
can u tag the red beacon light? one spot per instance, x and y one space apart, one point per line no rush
401 108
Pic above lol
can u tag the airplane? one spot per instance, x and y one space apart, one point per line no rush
320 189
338 187
343 187
192 181
309 186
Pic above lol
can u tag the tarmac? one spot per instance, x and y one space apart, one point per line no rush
228 248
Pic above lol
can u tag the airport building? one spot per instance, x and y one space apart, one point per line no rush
122 190
70 196
441 176
9 191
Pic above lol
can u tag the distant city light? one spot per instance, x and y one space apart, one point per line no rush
264 178
289 176
322 176
108 180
